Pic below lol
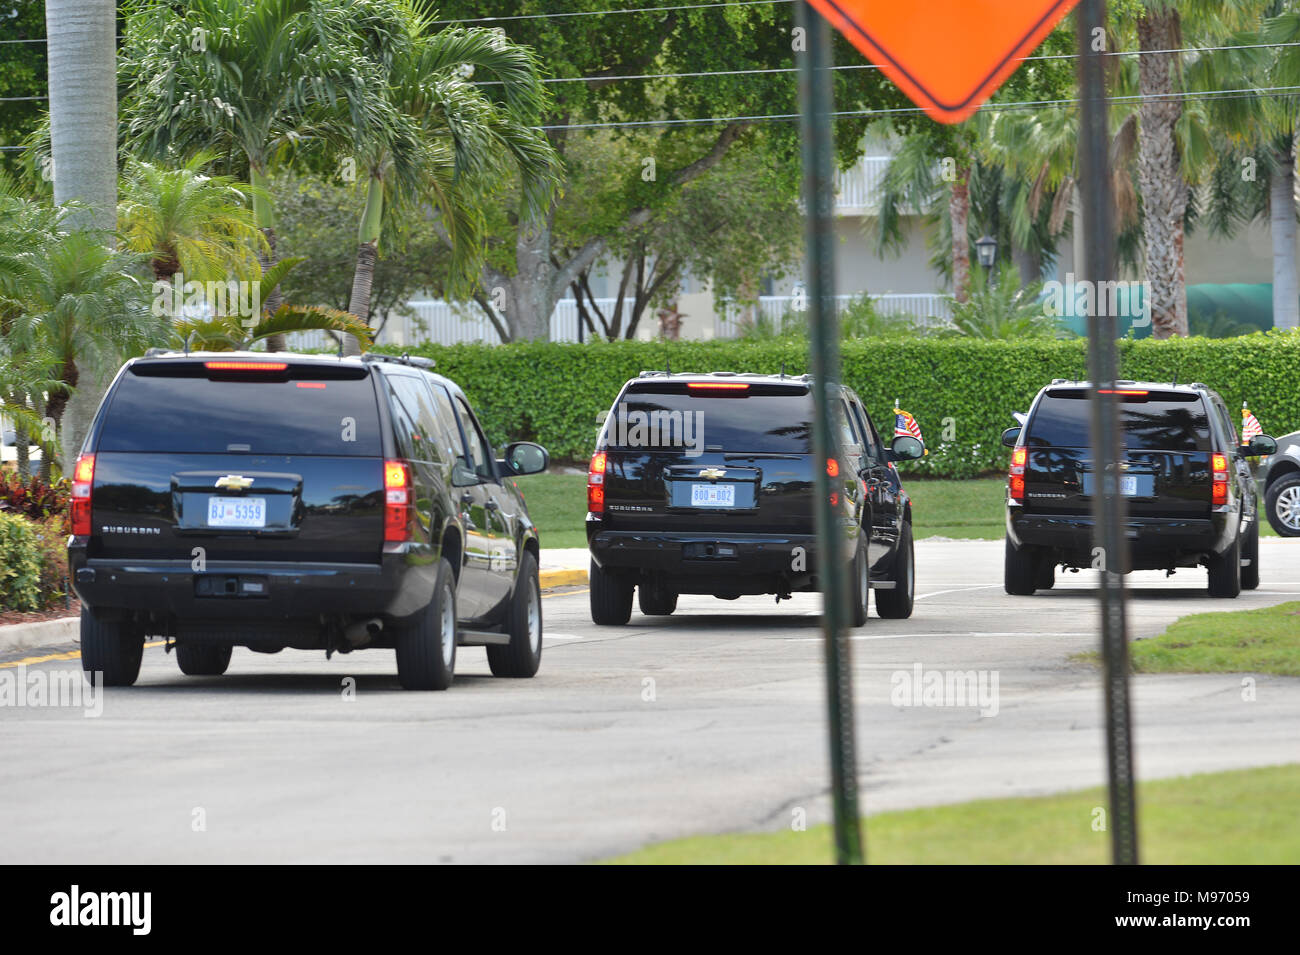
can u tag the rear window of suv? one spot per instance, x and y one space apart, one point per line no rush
763 419
1156 421
181 410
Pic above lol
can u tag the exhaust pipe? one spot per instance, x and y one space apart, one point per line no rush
363 631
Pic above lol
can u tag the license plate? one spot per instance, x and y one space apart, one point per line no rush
1128 485
713 495
236 512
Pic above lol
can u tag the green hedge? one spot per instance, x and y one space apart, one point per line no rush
551 392
20 564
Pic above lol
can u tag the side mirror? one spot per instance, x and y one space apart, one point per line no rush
524 457
1260 444
905 448
462 475
1010 437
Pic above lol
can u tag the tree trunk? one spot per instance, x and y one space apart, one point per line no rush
531 293
363 276
1160 178
264 216
1281 212
82 51
958 214
22 449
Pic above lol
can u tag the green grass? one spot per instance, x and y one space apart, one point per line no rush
1266 640
557 503
1233 818
971 508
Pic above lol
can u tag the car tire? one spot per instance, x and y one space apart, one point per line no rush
111 648
1282 505
1020 570
202 659
861 590
426 647
656 600
521 657
1250 552
1046 578
896 604
1225 571
611 597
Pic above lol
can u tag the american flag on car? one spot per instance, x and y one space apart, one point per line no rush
1250 426
905 424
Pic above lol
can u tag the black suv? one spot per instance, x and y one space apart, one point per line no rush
1187 484
703 484
277 500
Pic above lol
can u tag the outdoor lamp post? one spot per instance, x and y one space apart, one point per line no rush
986 250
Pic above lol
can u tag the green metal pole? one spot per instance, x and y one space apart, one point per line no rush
824 360
1103 365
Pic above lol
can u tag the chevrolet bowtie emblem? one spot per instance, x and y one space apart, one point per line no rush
713 473
234 482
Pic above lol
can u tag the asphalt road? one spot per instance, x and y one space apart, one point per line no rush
710 720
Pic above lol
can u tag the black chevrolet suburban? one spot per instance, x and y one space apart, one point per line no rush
277 501
703 484
1186 482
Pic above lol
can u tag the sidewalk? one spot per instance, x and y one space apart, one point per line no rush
561 566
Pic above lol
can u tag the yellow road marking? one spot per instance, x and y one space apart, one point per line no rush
69 655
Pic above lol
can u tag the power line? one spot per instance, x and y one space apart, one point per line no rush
1032 104
601 13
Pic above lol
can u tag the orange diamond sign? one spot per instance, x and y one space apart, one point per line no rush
948 56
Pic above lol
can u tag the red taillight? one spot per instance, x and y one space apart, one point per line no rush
397 502
1219 490
83 476
1016 476
319 385
245 365
596 483
832 467
717 386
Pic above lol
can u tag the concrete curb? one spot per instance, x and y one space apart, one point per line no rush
561 578
44 633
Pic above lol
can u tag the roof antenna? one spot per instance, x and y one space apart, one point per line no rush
339 339
668 367
782 371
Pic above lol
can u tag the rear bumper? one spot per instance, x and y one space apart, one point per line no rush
1154 542
753 563
264 591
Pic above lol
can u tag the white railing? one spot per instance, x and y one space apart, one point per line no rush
448 323
928 310
858 187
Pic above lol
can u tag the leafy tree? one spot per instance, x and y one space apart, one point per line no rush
23 72
734 223
530 265
313 214
187 220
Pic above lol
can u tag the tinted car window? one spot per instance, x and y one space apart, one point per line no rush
418 404
771 423
478 447
1161 422
447 419
197 415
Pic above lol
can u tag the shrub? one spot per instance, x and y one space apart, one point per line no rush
961 390
20 564
32 497
52 547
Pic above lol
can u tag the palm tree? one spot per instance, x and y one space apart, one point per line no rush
228 333
81 304
188 221
463 136
81 48
252 79
1163 171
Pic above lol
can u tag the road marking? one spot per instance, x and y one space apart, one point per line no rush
568 593
950 633
955 590
562 636
69 655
